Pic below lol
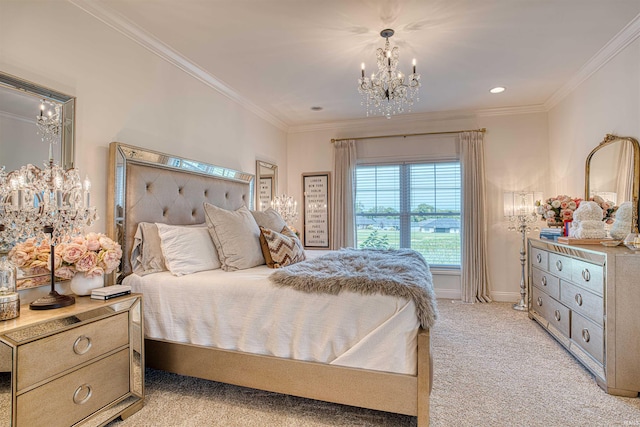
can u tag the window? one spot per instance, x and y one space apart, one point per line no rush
413 205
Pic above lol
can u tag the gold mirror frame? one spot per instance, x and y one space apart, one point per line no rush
266 184
67 140
609 140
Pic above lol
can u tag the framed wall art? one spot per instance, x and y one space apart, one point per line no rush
316 213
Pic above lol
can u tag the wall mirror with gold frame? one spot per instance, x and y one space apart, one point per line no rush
267 184
612 171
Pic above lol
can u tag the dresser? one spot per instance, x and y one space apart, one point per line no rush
588 298
81 365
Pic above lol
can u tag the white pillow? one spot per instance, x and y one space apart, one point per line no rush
236 236
269 219
187 250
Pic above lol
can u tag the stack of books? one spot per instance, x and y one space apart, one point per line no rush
551 233
109 292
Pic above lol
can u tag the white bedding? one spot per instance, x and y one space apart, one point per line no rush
242 310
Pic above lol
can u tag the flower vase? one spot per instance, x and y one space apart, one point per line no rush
83 285
555 222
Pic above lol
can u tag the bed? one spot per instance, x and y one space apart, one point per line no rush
150 187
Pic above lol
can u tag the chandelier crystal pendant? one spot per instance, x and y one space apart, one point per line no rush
49 121
388 91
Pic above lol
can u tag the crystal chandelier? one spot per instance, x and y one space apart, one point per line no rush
49 121
286 207
388 91
38 202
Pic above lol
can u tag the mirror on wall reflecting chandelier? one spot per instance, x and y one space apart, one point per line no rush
612 171
267 184
21 139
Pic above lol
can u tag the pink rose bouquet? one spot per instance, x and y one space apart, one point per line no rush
608 208
558 209
94 255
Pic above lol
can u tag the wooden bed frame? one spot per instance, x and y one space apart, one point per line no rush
145 185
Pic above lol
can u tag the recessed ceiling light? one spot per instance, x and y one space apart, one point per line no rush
498 89
316 108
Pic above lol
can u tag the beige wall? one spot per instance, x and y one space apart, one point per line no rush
126 93
608 102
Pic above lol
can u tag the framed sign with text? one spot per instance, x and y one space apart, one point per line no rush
316 221
265 193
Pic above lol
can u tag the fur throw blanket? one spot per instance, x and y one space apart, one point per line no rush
402 273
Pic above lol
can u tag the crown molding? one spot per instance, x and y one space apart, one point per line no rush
151 43
620 41
510 111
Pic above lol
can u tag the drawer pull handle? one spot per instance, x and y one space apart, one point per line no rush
585 335
540 301
77 349
544 280
87 394
539 258
559 265
557 315
579 300
586 275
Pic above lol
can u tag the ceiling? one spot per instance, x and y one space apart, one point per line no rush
282 57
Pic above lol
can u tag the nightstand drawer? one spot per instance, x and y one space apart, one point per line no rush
587 335
46 357
582 301
70 398
560 265
545 281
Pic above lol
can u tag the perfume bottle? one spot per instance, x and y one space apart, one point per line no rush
632 241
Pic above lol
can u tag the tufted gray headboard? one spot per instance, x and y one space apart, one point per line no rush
147 186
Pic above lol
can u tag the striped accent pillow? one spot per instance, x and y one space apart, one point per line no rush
281 249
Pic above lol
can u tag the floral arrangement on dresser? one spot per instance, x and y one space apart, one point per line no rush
556 210
93 254
608 208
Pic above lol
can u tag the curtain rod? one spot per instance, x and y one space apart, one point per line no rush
483 130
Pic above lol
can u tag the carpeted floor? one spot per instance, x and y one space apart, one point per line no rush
493 367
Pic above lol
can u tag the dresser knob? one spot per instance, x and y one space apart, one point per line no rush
540 301
544 280
539 258
586 275
557 315
81 349
579 299
585 335
77 399
559 265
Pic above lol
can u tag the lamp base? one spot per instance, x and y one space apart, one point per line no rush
520 306
53 300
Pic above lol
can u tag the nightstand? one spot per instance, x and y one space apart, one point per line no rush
81 365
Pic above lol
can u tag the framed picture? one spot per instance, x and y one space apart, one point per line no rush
316 217
265 195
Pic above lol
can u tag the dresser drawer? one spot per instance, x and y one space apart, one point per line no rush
555 313
44 358
587 275
548 283
539 258
560 266
71 398
588 336
582 301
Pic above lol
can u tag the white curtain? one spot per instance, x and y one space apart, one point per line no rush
624 180
475 271
343 221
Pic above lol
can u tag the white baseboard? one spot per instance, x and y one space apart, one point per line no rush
448 293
